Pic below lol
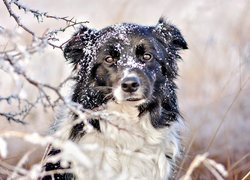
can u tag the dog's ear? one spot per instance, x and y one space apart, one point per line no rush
169 35
76 49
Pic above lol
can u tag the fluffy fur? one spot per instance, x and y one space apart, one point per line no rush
125 76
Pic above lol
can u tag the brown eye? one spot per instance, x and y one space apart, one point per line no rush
147 57
109 60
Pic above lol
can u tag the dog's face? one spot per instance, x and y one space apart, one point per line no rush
131 63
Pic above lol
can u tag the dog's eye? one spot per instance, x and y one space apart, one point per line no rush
109 60
147 57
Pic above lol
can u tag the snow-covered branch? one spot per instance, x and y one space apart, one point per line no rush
14 60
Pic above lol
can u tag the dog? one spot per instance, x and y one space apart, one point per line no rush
125 77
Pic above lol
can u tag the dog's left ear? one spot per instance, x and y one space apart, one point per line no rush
169 35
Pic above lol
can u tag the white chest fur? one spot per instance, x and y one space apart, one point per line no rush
129 147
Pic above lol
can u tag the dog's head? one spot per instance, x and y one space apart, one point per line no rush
132 63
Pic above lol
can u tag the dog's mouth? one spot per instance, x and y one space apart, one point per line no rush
132 99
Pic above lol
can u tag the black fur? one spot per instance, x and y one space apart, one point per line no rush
88 47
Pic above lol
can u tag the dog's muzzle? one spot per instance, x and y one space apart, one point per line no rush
129 89
130 84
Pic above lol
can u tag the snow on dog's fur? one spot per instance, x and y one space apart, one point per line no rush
125 75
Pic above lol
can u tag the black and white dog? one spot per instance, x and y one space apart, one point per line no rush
125 74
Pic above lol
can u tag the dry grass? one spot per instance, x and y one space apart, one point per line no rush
214 77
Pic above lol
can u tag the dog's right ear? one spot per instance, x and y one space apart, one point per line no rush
76 49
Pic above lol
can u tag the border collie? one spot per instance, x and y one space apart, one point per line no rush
125 76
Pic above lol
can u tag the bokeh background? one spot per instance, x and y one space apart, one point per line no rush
214 87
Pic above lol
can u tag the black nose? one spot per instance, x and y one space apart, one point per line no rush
130 84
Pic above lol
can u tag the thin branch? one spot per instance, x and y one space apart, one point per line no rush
246 176
38 14
17 18
225 115
11 117
49 36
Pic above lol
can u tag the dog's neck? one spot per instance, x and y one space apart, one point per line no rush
125 118
125 137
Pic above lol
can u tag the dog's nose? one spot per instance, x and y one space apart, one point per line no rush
130 84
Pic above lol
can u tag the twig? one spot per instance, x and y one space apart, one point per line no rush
70 22
225 115
17 18
195 163
38 14
246 176
11 117
215 168
19 165
238 162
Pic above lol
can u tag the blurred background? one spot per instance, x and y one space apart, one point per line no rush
214 87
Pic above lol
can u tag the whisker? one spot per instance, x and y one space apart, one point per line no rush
104 87
144 96
108 96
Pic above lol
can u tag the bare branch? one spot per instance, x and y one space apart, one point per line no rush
17 18
47 37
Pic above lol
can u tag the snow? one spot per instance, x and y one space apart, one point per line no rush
3 148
